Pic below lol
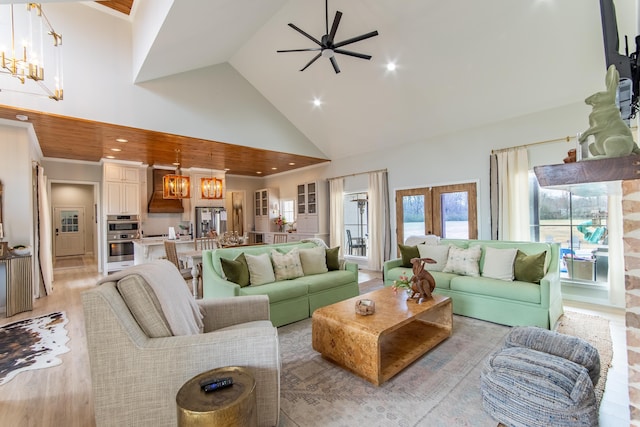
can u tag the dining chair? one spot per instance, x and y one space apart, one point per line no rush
202 243
280 238
172 255
356 243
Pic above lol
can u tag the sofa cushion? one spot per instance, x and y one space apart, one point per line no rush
333 258
236 270
498 263
278 291
516 291
438 253
144 306
286 266
332 279
314 260
260 269
529 268
463 261
408 253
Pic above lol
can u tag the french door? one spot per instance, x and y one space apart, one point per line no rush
448 211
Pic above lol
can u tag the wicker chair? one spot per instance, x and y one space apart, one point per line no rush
138 365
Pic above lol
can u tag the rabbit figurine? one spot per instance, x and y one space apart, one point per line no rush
613 137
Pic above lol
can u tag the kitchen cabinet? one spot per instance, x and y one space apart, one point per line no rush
265 209
309 218
121 190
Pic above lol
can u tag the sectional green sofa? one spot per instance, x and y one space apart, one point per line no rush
507 302
289 300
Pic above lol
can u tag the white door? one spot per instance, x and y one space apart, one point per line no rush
69 231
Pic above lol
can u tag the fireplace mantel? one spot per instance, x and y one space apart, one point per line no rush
586 171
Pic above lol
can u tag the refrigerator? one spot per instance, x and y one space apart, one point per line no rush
208 218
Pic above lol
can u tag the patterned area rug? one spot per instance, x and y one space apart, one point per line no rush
32 344
442 388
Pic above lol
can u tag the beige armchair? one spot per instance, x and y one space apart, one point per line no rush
136 378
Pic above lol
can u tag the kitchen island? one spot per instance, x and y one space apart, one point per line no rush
150 248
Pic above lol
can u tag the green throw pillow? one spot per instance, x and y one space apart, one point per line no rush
333 262
529 268
236 270
407 253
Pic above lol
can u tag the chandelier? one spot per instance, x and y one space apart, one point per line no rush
24 29
176 186
211 187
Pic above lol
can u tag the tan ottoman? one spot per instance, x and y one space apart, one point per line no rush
231 406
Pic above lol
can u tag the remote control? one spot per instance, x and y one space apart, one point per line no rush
216 384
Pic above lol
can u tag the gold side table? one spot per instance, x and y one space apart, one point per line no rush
231 406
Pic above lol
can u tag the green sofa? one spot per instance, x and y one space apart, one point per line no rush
513 303
289 300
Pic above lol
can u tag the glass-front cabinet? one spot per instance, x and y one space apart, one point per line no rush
307 207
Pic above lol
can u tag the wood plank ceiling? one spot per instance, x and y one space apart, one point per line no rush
78 139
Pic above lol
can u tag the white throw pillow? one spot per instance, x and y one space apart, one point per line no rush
286 266
260 269
463 261
438 253
498 263
314 260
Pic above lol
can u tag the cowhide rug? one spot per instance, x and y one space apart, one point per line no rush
32 344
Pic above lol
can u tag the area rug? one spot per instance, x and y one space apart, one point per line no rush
32 344
597 332
442 388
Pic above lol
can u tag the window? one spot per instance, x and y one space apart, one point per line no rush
578 222
356 210
288 211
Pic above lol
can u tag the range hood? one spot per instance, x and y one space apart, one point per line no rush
157 204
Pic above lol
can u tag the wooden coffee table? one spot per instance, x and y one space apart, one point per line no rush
378 346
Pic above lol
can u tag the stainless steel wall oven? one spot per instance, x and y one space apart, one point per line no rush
122 230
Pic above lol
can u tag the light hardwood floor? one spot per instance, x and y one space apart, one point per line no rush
61 395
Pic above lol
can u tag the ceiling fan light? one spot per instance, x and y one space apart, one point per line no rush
327 53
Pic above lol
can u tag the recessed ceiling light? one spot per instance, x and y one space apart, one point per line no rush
111 157
291 163
122 140
274 169
317 102
227 169
259 172
116 149
22 117
176 163
391 66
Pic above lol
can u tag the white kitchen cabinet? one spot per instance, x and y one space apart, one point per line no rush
265 209
310 218
121 190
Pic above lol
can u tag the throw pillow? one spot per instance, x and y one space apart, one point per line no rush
333 260
313 260
498 263
529 268
144 306
236 270
463 261
286 266
438 253
260 269
407 253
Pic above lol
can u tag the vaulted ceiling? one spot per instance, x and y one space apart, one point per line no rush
460 64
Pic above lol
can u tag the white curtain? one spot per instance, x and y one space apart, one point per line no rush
336 213
44 229
510 195
379 223
616 249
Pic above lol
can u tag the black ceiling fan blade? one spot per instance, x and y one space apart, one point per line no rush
335 64
299 50
356 39
311 62
310 37
334 26
356 54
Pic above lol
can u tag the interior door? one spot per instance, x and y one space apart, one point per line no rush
69 231
448 211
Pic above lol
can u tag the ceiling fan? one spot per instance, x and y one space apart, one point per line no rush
327 47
